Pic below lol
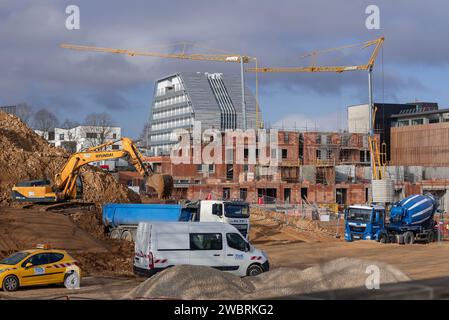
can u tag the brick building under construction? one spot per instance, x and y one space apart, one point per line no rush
326 167
319 167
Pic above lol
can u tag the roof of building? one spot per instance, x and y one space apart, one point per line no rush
418 112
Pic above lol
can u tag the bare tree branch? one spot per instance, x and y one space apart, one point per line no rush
45 121
99 128
24 112
70 137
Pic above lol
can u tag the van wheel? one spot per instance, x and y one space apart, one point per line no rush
254 270
126 235
409 237
11 283
115 234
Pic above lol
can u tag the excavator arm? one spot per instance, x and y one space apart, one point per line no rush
65 181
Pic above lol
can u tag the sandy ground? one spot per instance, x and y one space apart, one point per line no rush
288 248
92 287
285 246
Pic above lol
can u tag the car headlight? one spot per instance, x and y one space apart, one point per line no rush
3 270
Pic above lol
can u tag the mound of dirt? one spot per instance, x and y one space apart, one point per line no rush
197 282
24 155
80 233
268 226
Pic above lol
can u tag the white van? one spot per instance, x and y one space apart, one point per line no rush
160 245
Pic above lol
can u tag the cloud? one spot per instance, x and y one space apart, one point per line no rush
36 71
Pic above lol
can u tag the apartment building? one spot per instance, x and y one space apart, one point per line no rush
214 99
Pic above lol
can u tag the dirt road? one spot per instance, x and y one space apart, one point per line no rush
108 262
288 248
91 288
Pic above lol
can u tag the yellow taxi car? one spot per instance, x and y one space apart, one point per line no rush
39 266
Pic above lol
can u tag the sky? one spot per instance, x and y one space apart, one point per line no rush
413 64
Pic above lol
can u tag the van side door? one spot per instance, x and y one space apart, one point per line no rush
236 259
172 249
206 249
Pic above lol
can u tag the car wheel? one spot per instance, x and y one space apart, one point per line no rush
72 281
126 235
10 283
254 270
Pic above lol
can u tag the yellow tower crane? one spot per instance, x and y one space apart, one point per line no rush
377 43
233 58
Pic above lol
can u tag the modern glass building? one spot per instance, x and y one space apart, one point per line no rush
212 98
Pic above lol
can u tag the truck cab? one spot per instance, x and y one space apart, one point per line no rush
234 212
364 222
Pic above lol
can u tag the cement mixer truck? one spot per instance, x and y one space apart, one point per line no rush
411 219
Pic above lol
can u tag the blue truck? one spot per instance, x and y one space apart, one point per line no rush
411 219
121 219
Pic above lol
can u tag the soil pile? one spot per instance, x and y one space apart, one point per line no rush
268 226
24 155
80 233
197 282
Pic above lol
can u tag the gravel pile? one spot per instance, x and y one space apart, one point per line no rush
197 282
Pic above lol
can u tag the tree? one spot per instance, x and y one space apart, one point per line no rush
144 137
45 121
98 128
69 142
24 112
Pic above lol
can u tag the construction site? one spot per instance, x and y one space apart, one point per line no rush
283 212
291 228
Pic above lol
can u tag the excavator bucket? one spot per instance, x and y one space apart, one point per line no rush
162 184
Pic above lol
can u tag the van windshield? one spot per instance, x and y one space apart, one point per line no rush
235 210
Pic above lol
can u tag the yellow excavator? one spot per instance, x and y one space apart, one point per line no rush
67 183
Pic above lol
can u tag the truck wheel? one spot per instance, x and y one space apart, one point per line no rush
254 270
400 238
126 235
409 237
383 238
431 237
115 234
10 283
